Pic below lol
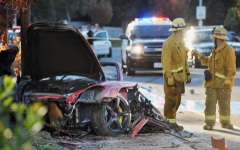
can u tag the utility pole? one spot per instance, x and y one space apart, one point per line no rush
200 22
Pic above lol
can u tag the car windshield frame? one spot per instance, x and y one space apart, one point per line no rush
68 77
150 31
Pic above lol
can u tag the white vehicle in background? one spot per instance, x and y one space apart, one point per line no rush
102 46
199 38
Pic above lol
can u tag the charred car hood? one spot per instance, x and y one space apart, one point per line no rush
59 49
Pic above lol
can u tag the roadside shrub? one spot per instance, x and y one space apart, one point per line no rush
18 121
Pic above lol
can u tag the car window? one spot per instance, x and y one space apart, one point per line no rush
110 72
150 31
203 36
101 35
65 77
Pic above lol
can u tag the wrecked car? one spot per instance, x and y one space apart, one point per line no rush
81 93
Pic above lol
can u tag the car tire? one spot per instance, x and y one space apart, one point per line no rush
21 87
129 72
123 64
196 63
113 118
110 53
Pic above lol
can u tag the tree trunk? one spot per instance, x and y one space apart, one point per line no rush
5 38
25 20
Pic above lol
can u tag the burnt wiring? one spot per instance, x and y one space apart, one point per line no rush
73 108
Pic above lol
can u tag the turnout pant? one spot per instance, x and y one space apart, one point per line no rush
172 100
223 98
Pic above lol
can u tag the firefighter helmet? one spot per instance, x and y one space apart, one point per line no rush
219 33
178 24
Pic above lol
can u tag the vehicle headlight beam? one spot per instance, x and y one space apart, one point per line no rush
137 49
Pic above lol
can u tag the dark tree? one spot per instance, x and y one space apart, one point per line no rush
100 11
172 8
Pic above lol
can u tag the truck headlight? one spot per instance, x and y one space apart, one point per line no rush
137 49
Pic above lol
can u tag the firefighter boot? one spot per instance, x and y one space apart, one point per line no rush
179 128
208 127
227 125
176 126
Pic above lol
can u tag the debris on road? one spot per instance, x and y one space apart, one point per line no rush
219 143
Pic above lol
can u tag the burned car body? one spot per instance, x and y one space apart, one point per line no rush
65 75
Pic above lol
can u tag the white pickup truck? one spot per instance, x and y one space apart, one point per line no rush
102 47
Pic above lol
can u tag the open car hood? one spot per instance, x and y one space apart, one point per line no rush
59 49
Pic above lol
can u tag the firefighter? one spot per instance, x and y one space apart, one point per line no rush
219 79
175 70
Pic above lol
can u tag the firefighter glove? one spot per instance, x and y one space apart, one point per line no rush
170 81
188 79
227 82
196 53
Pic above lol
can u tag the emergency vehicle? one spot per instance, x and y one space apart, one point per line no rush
142 44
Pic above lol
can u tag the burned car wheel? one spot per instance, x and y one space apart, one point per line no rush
113 118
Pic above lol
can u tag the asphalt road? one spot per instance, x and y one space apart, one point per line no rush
190 113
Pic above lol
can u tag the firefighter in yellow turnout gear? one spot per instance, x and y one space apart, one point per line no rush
175 70
219 79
